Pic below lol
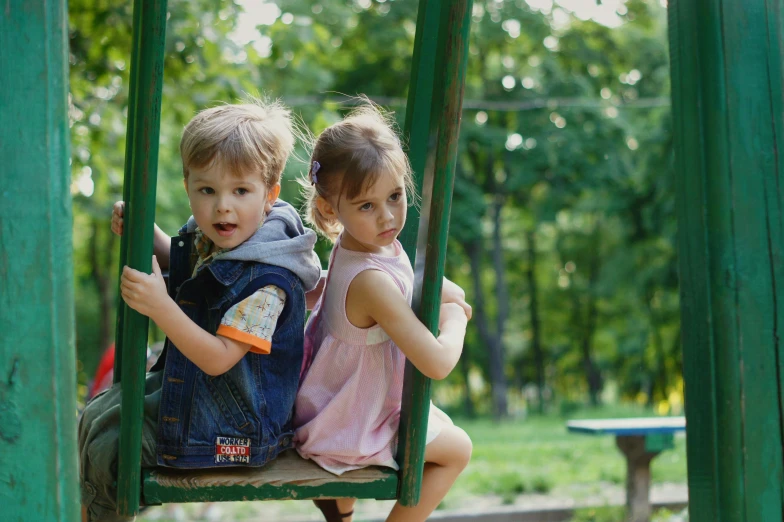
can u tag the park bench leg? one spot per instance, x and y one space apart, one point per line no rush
638 476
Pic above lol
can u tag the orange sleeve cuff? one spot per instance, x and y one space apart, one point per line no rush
257 344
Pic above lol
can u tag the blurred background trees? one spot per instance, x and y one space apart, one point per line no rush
563 225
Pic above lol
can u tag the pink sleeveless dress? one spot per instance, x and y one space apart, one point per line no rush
347 409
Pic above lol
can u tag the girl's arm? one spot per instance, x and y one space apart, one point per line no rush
161 243
452 293
373 297
146 293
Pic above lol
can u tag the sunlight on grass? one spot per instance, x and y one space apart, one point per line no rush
538 455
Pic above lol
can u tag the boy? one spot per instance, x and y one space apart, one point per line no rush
233 314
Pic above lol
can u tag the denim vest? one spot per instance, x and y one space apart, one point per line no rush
243 417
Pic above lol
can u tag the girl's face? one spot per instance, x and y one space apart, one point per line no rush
373 220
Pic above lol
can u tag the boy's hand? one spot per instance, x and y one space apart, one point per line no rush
161 241
451 293
145 293
117 217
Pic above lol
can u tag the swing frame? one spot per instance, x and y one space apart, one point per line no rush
431 128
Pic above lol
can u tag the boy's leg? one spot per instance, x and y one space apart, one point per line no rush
336 510
99 433
445 458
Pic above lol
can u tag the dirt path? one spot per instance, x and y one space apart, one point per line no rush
492 507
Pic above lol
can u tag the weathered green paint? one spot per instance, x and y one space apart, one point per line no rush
421 146
418 123
125 239
727 103
432 127
38 464
155 493
658 442
140 183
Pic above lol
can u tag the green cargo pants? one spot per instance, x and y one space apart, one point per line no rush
99 435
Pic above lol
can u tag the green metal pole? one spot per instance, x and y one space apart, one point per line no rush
125 239
38 455
432 128
727 106
149 34
419 124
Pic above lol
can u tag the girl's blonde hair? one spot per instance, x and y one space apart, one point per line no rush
255 136
351 156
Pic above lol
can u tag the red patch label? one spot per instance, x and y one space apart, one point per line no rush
232 450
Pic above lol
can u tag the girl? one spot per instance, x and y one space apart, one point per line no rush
362 329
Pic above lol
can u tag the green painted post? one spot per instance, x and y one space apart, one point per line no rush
432 127
38 465
727 104
125 239
149 34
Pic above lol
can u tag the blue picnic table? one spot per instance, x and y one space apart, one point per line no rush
640 440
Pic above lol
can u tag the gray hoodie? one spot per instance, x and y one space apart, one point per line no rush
281 241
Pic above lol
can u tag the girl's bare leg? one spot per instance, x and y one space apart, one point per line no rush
436 411
445 458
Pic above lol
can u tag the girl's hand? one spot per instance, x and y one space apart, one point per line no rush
377 295
452 293
117 217
452 312
145 293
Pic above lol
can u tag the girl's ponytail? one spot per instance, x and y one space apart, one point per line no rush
329 228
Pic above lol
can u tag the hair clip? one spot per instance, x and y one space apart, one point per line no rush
313 170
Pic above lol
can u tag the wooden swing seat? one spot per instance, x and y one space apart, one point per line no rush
288 477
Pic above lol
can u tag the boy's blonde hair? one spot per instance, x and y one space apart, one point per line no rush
352 155
255 136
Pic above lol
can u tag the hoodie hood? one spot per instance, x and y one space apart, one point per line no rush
281 241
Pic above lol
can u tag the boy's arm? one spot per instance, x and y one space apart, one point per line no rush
213 354
254 319
161 247
146 293
161 243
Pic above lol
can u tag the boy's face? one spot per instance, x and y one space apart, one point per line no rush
228 208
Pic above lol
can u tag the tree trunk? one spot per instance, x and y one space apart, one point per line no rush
660 379
502 301
468 402
592 373
492 341
535 325
593 376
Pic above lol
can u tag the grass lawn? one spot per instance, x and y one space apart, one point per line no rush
538 455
